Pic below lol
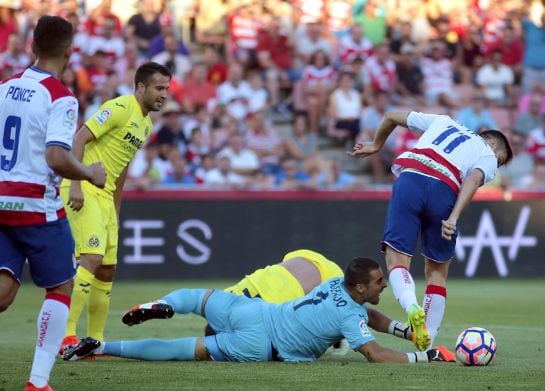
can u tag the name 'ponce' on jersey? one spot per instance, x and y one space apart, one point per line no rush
20 94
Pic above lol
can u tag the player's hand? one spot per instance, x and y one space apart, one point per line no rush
364 149
448 228
441 354
98 177
75 196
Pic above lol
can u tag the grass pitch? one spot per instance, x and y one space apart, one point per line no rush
513 310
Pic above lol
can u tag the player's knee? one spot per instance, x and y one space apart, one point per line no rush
63 289
91 262
105 273
201 352
5 302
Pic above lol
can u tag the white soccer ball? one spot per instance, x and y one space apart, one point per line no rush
475 346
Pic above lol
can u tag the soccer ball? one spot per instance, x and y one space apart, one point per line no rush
475 346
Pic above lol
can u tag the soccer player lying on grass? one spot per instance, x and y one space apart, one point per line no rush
299 272
254 330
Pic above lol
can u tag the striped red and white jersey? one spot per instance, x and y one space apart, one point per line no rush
447 151
36 111
348 49
313 75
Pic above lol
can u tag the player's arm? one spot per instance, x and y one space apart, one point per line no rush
378 354
468 189
389 122
380 322
83 137
64 163
119 184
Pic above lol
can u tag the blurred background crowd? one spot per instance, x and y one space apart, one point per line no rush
269 94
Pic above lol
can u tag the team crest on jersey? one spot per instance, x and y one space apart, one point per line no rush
364 330
70 117
94 242
103 116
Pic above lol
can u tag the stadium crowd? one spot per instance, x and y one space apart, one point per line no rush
269 94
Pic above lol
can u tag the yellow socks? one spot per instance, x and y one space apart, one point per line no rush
80 295
99 306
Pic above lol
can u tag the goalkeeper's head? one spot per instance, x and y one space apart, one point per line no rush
364 280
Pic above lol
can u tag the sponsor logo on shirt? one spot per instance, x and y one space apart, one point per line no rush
8 205
364 330
133 140
93 242
70 117
103 116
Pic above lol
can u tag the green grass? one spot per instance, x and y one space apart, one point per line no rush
513 310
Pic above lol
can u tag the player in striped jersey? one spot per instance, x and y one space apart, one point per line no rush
436 181
38 118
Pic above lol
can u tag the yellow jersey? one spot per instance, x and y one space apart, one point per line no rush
120 130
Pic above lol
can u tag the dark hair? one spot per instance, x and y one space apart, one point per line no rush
145 72
501 140
359 271
52 35
316 53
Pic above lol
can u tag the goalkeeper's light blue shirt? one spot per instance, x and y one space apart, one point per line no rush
303 329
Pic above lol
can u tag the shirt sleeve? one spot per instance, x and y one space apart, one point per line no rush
356 331
488 164
111 115
62 123
420 122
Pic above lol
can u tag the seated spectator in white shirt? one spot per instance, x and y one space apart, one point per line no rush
235 93
223 175
244 161
439 77
178 64
496 80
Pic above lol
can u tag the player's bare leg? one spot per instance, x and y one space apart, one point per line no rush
435 296
8 289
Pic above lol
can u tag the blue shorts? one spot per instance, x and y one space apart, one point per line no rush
418 205
48 247
239 326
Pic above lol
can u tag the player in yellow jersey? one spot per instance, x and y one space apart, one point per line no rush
112 135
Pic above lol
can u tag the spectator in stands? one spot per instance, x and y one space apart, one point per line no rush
196 148
178 64
496 80
142 173
144 25
197 90
180 173
14 60
95 16
259 98
8 26
207 163
536 180
217 69
302 145
335 178
470 54
512 50
157 43
223 175
129 62
521 166
533 118
534 61
292 177
199 119
99 70
107 41
373 21
244 161
401 35
243 28
526 97
234 93
382 70
311 41
353 45
370 120
345 106
265 142
171 131
409 76
317 83
274 55
439 77
476 116
211 22
535 143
